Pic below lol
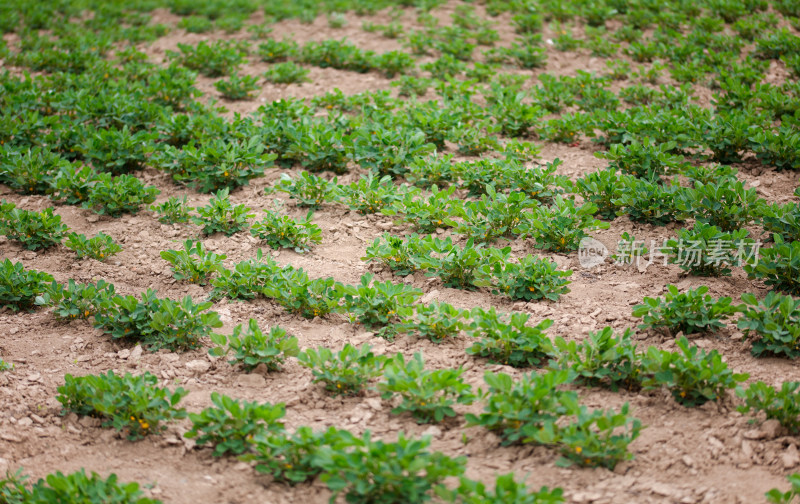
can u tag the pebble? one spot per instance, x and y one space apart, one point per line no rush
790 457
198 367
251 381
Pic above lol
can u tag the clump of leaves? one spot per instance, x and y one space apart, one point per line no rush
378 305
603 358
220 215
778 266
429 395
59 487
173 211
371 194
505 339
345 372
308 189
707 251
775 496
692 376
76 301
20 287
194 263
377 471
525 409
130 403
727 205
561 226
287 72
212 60
252 347
772 324
115 196
530 279
237 87
157 323
100 247
601 188
292 458
688 312
782 405
282 231
436 321
34 230
598 438
231 425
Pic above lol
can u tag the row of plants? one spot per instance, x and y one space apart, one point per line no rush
396 471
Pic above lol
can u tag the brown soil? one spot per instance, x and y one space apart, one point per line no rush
708 454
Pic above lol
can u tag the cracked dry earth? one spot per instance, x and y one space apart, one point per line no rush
684 455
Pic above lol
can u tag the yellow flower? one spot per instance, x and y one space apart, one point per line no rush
578 449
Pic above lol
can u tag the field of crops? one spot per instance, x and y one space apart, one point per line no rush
395 251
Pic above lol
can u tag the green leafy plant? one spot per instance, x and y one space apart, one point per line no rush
173 211
782 405
217 164
128 403
599 438
308 189
601 188
603 358
530 279
646 201
100 246
436 321
561 226
727 205
212 60
76 301
706 251
425 215
34 230
272 51
31 171
642 159
246 280
378 305
252 347
778 266
157 323
220 215
429 395
293 458
345 372
376 471
526 409
118 195
781 219
505 339
281 231
688 312
118 151
506 490
196 269
775 496
772 324
73 487
692 376
286 73
20 287
231 425
237 87
494 216
295 291
71 185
